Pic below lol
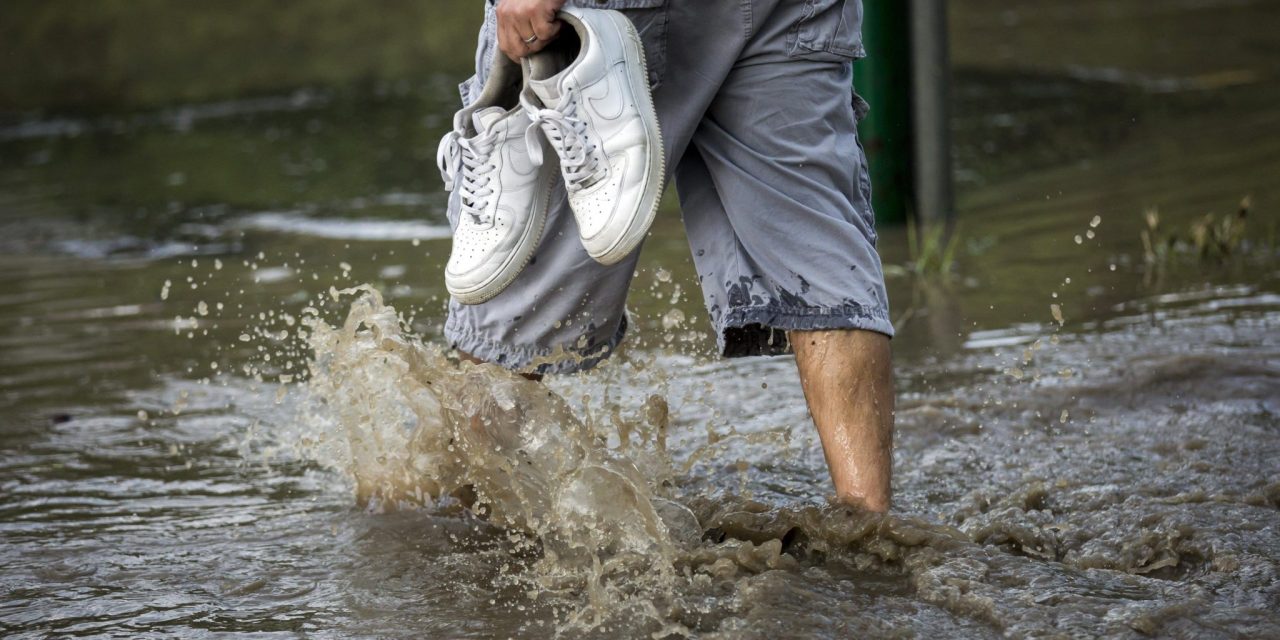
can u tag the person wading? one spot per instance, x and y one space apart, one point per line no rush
758 130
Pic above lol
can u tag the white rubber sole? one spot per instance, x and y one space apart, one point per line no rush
514 264
647 210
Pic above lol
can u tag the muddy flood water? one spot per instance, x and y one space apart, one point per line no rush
225 401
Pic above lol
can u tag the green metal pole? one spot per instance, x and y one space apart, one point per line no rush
883 79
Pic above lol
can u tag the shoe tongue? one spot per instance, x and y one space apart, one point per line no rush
547 90
485 118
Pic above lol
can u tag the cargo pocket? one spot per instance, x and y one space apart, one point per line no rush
651 23
828 30
864 208
860 107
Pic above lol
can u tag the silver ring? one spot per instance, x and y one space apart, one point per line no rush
531 39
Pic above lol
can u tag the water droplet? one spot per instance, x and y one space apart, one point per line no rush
672 319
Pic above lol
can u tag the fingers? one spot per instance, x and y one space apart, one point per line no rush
528 38
540 32
522 32
510 42
546 31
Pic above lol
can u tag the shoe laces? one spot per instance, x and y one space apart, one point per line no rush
469 159
567 132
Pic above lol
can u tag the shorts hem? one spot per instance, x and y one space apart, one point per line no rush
533 359
761 330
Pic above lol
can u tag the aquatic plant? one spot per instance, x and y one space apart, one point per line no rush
931 249
1217 238
1156 245
1210 238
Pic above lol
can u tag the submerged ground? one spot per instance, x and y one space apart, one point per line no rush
1087 437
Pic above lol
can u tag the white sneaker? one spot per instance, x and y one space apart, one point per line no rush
503 192
589 92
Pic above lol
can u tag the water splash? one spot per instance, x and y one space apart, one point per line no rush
412 426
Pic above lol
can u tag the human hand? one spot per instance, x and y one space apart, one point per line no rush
520 21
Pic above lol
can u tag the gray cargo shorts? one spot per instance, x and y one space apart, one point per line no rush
758 118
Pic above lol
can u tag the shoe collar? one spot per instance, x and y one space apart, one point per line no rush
546 71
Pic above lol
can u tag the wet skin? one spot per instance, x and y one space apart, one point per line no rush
847 377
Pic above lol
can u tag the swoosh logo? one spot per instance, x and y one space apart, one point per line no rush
518 158
606 96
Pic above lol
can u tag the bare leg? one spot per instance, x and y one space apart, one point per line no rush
847 378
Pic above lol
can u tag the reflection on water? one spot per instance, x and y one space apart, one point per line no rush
188 410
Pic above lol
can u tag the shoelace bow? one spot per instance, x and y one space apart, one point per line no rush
468 157
568 135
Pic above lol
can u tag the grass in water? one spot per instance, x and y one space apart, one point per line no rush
932 250
1211 238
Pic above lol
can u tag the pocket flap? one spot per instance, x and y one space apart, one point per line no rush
830 26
